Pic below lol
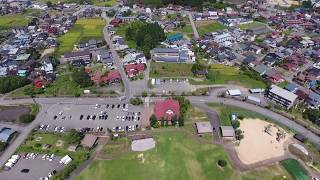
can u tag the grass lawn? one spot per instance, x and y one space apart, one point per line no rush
186 31
225 112
231 75
211 27
63 85
104 3
35 141
82 31
121 31
250 25
295 169
178 155
170 70
283 84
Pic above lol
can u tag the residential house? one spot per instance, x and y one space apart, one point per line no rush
105 57
134 69
84 55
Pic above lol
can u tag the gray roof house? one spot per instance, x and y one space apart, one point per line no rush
261 69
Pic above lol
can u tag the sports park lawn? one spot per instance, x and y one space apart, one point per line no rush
211 27
178 155
170 70
82 31
230 75
295 169
225 112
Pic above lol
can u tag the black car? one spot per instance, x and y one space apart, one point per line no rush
25 170
106 117
55 117
94 117
118 106
81 117
88 117
112 106
100 116
107 106
124 105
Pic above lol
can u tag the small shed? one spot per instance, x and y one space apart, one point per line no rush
204 127
227 132
89 140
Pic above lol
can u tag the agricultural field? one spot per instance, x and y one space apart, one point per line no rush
204 27
22 19
82 31
170 70
295 169
230 75
104 3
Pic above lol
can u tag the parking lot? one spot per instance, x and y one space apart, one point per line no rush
37 168
99 117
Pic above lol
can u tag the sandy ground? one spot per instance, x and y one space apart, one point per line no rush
257 145
284 3
47 51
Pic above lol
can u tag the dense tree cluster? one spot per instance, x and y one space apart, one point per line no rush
312 115
10 83
81 78
34 54
146 35
27 118
192 3
74 137
136 101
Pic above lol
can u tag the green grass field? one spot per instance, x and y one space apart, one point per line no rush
226 111
295 169
104 3
82 31
210 28
177 156
170 70
250 25
121 31
231 75
63 86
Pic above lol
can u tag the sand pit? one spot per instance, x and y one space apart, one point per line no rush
258 145
143 144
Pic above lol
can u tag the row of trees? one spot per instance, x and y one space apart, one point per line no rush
10 83
81 78
312 115
191 3
146 35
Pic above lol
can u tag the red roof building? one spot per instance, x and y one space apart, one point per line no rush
167 109
113 77
115 22
134 69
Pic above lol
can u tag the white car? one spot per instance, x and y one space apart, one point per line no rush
62 129
13 161
49 175
113 129
60 113
44 157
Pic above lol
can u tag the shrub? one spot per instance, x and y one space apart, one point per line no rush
235 124
222 163
136 101
26 118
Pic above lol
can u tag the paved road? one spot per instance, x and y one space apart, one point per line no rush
117 60
194 28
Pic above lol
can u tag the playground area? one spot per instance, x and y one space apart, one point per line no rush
262 141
